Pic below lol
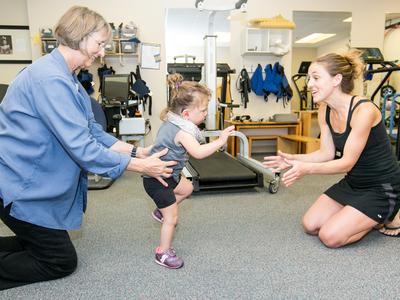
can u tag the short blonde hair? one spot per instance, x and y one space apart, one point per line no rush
76 24
183 94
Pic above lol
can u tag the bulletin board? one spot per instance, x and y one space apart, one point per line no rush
150 56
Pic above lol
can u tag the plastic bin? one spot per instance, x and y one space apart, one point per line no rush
128 47
49 46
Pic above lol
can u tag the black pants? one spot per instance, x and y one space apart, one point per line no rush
34 254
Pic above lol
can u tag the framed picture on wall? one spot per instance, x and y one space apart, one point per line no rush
15 45
6 44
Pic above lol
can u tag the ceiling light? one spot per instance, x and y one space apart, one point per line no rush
315 38
348 20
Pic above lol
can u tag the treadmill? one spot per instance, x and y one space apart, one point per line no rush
221 171
374 57
303 93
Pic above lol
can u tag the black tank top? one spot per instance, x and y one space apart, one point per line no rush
377 163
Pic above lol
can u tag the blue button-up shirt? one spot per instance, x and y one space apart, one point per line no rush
48 140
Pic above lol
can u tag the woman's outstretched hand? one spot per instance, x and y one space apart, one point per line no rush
277 163
297 170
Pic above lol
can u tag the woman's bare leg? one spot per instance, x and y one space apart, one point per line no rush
345 227
319 213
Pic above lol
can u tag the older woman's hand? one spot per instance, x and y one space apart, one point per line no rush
153 166
143 152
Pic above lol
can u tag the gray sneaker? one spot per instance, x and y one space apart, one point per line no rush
169 259
157 215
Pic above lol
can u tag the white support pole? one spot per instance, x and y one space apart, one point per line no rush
210 71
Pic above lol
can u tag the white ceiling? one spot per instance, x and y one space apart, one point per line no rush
188 26
308 22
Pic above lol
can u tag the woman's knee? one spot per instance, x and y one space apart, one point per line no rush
330 238
71 262
310 225
65 263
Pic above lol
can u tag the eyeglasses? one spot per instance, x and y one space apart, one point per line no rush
101 45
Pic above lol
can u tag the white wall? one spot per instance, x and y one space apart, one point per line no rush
300 54
12 12
149 17
339 46
367 30
223 53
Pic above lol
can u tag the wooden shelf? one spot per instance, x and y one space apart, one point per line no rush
122 54
119 44
266 131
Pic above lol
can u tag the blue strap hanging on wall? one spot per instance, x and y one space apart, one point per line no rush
269 85
257 81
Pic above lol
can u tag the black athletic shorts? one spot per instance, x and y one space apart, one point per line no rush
161 195
378 202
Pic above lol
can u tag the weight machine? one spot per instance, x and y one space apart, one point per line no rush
303 93
374 57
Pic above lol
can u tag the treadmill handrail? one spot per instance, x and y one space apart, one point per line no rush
243 145
244 158
388 71
383 69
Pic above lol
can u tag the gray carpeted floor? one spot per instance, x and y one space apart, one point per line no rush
246 245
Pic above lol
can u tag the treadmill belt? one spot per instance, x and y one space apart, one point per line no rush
221 171
221 167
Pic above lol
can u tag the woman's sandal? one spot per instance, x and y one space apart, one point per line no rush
385 228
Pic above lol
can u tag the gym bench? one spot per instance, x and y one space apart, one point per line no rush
293 144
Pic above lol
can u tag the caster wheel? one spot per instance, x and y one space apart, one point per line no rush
273 186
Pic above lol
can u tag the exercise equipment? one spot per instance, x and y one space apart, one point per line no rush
387 90
97 182
243 85
303 92
221 171
392 115
374 57
120 108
